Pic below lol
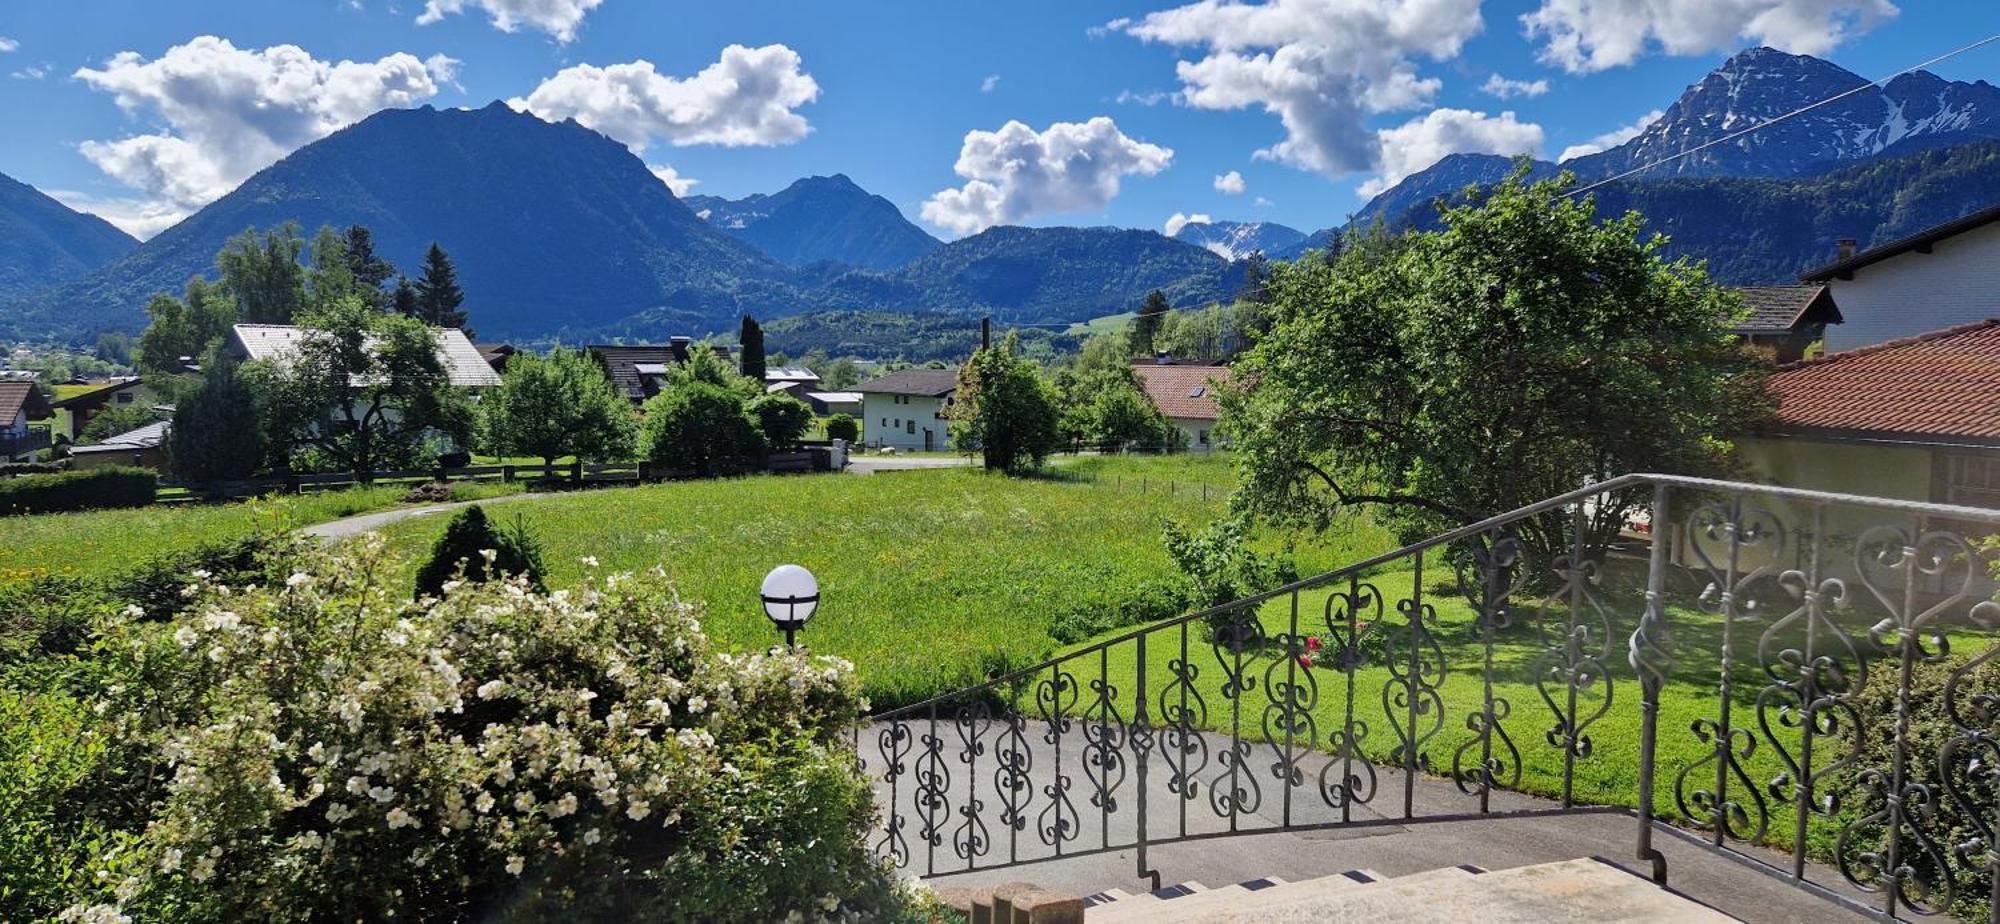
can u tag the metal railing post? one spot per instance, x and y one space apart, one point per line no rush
1649 659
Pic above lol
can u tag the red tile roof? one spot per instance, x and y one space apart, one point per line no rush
1183 392
1944 384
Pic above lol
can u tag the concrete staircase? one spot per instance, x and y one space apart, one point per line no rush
1571 891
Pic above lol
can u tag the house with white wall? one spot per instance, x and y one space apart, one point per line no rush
1941 277
1185 395
907 410
21 402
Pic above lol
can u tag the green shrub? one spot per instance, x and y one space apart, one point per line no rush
843 427
49 837
96 489
782 419
1148 601
158 587
1218 566
463 551
699 428
11 469
495 754
1930 728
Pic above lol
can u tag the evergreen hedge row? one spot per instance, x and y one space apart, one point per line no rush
96 489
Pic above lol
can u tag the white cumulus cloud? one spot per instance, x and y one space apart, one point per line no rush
1177 221
228 112
1612 138
746 97
1230 183
7 45
1421 142
1506 88
681 185
991 81
1583 36
139 217
1321 66
1017 173
559 18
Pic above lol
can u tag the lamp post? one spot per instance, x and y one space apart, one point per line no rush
790 594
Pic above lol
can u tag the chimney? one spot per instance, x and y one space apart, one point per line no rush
1845 248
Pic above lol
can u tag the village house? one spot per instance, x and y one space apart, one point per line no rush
639 372
76 405
1782 321
144 447
20 403
1940 277
906 410
463 364
1185 395
1916 419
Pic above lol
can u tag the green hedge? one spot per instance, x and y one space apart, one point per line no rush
96 489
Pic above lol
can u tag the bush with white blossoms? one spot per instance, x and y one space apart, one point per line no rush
326 749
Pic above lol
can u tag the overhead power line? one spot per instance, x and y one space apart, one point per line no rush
1732 136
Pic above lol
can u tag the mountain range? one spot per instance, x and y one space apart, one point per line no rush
562 233
42 241
820 219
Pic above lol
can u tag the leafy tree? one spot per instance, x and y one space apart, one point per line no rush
752 344
464 545
328 276
365 391
1522 351
116 419
1104 351
263 274
369 271
114 346
554 406
704 365
781 418
1003 409
843 427
1107 408
188 326
700 427
438 294
840 374
1147 325
217 434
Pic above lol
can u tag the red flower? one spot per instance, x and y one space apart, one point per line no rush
1312 644
1305 661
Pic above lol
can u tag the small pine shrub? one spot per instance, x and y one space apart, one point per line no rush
465 543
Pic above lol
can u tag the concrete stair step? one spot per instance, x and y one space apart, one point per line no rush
1576 891
1257 892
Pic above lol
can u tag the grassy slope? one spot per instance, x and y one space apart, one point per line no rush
105 542
929 579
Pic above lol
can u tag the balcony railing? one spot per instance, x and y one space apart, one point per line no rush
12 446
1784 658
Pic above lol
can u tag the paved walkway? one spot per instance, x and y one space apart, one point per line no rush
1376 837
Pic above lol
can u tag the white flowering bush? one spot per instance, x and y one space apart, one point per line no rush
326 749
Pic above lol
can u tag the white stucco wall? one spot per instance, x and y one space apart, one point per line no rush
1913 293
1192 431
888 421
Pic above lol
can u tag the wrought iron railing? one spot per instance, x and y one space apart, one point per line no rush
1785 655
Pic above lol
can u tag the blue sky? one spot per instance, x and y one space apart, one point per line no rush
1129 112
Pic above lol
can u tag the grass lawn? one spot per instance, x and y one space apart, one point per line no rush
929 579
98 543
1216 469
1108 323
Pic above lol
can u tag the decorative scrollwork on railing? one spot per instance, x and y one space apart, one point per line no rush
1352 618
1737 547
933 789
1010 779
1491 571
893 742
1058 822
1815 670
1234 637
1293 694
1183 714
971 839
1570 673
1969 762
1915 578
1410 697
1104 732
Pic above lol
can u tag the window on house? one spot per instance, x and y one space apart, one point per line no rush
1204 437
1196 391
124 397
910 427
1971 480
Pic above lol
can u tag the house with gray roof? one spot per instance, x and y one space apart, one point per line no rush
907 410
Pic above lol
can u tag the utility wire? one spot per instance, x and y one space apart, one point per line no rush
1732 136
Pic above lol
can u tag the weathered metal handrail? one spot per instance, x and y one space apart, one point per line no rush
1259 718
